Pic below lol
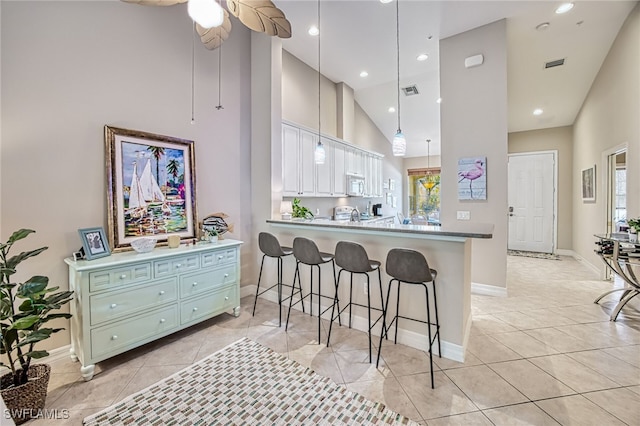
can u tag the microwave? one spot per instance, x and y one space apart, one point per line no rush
355 185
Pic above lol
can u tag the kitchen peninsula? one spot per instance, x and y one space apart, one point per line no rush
447 249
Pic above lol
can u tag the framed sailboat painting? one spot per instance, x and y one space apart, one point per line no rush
150 186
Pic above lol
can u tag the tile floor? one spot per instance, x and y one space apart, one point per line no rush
545 355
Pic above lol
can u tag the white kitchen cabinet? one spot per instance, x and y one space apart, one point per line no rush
339 170
355 161
324 172
128 299
298 166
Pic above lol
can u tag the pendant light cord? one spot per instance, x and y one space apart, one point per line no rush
219 106
319 74
193 62
398 56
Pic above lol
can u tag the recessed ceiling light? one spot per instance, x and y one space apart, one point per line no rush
537 111
564 8
391 109
439 100
313 30
543 26
422 57
385 1
364 74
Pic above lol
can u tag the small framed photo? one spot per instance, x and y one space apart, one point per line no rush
94 243
589 185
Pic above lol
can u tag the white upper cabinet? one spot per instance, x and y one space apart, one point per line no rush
298 167
302 177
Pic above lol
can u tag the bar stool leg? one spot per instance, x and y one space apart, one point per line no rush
426 292
382 302
296 275
435 305
384 323
319 301
335 303
369 313
395 339
337 299
350 295
258 289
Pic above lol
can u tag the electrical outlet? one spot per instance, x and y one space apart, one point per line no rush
364 289
463 215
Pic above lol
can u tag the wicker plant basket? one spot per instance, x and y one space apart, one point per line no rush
26 401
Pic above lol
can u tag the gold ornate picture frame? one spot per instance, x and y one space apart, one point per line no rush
150 186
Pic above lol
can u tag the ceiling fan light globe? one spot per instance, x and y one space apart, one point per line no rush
207 13
399 145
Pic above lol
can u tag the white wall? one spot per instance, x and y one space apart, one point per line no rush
609 117
69 68
473 124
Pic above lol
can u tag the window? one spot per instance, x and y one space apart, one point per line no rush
424 194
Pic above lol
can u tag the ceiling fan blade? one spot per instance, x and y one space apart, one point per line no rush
155 2
261 16
212 38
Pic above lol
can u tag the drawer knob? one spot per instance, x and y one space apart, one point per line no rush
226 298
123 276
113 306
114 337
226 275
178 265
220 257
162 320
195 309
195 284
161 292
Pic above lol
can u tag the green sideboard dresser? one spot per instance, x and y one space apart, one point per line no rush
128 299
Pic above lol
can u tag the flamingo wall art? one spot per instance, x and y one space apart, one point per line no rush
472 178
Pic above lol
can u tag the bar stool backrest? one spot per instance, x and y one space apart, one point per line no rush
352 257
306 251
408 265
269 245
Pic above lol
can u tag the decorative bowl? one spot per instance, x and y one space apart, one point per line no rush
144 245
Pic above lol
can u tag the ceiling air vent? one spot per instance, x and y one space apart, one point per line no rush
556 63
410 90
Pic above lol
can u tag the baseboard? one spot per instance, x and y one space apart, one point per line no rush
54 355
409 338
248 290
488 290
588 264
565 252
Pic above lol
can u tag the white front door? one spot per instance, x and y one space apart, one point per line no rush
531 201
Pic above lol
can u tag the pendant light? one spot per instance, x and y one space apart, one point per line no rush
207 13
399 145
428 183
319 154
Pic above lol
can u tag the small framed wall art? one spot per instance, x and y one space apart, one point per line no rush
589 184
94 243
472 178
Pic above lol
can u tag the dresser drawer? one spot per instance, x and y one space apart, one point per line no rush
170 267
114 305
219 257
200 282
125 334
209 304
109 278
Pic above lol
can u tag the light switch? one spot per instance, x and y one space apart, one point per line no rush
463 215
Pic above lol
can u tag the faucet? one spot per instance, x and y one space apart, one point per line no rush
357 215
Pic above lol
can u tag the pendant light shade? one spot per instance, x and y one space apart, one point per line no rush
319 155
399 145
207 13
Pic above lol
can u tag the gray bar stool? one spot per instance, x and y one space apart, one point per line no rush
270 246
306 252
410 267
353 258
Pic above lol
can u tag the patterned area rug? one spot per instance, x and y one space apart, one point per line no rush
245 383
533 254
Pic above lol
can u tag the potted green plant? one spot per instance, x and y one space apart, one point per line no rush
25 309
299 211
634 229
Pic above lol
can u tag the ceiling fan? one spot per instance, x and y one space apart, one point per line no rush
257 15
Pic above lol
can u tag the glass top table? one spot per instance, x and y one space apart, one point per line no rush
623 258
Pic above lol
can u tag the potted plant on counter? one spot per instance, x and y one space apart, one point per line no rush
25 308
299 211
634 229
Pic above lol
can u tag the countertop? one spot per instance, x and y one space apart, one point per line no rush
457 230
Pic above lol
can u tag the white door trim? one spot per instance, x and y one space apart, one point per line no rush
554 152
